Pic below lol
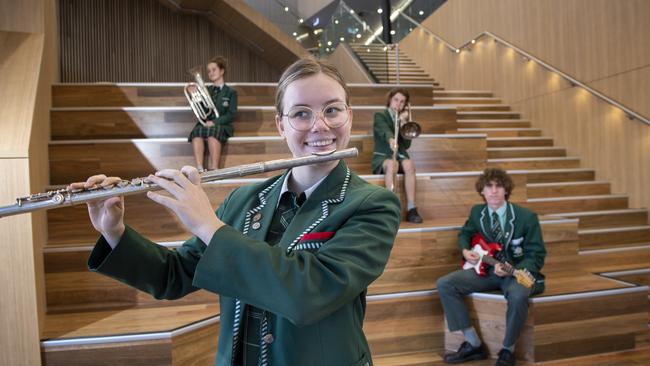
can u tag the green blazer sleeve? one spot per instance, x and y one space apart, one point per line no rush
302 286
226 103
534 249
149 267
469 229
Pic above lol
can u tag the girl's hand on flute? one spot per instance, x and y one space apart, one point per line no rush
189 201
107 216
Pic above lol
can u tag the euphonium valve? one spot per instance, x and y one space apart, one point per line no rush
199 97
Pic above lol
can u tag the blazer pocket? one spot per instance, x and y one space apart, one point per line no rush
313 241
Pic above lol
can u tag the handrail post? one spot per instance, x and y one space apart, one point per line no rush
397 62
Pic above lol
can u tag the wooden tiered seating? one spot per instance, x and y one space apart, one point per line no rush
76 160
168 122
404 322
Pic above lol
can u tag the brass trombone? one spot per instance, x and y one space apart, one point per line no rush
408 131
199 97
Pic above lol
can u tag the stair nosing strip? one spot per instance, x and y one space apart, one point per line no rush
569 198
241 138
603 212
500 129
80 341
400 295
551 158
524 148
575 183
230 84
614 229
626 272
573 296
241 108
613 250
519 138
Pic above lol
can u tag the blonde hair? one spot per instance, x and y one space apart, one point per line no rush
301 69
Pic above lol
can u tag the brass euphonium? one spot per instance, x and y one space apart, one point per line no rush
410 129
199 97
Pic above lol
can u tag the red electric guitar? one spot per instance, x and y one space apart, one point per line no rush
487 252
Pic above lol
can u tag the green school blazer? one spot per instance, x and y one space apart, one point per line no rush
383 128
312 285
523 242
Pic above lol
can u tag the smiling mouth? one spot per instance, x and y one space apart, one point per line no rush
320 143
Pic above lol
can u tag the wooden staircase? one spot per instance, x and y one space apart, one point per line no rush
132 130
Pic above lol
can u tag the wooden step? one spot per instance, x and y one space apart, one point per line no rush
614 237
408 322
82 290
489 115
553 205
519 141
559 175
480 107
616 259
171 94
172 335
494 123
159 122
466 100
428 358
579 314
525 152
504 132
535 163
564 189
462 93
72 161
611 218
639 276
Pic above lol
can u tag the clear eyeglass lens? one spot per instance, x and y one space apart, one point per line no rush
303 118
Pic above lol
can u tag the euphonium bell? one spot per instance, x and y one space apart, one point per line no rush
199 97
410 129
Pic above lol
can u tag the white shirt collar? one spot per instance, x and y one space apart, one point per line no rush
308 191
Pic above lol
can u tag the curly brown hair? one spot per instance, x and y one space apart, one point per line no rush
394 91
495 175
220 61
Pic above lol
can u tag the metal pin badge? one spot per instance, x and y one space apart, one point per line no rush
257 217
256 225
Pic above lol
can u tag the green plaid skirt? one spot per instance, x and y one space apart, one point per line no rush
220 132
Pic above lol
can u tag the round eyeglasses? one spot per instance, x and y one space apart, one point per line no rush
303 118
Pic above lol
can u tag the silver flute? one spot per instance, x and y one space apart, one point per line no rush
64 197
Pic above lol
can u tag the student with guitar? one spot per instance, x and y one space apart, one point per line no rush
502 247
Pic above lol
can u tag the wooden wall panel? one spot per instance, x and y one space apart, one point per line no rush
21 16
598 42
144 41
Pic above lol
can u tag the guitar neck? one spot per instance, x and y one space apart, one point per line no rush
493 261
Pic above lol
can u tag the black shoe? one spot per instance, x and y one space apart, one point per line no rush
413 216
506 358
466 353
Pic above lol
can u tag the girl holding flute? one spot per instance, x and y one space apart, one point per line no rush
291 257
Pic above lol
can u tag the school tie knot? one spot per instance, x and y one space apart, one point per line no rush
287 208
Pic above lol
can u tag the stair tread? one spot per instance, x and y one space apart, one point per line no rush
125 321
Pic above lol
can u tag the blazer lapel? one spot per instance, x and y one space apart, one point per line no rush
317 207
486 225
509 230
